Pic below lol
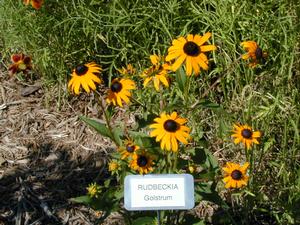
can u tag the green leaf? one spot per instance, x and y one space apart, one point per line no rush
208 104
199 156
145 121
268 144
211 160
85 199
144 221
191 220
181 79
117 133
99 127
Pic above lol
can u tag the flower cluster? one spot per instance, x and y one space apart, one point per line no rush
170 130
234 174
139 160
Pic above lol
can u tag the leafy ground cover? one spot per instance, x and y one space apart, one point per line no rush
61 35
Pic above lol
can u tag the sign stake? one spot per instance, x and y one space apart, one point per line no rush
158 217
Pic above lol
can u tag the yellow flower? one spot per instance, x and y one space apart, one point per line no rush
142 162
86 76
20 63
36 4
157 72
168 129
128 150
113 166
93 190
192 168
245 134
235 175
129 70
254 53
120 90
191 51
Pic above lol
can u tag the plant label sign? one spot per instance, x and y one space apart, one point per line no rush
159 192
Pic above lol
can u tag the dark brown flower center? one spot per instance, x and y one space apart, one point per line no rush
142 161
27 60
116 86
130 148
171 126
246 133
191 48
236 175
81 70
259 53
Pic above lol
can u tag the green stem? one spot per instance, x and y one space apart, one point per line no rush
187 90
107 120
175 161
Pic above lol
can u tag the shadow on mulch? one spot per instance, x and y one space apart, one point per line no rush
38 192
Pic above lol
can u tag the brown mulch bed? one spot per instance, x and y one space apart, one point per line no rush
47 155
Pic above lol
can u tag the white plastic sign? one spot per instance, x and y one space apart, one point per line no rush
159 192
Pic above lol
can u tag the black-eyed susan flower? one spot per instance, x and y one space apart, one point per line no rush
254 53
127 71
142 162
114 166
191 51
169 129
245 135
120 91
36 4
235 175
93 190
86 76
20 63
157 73
128 149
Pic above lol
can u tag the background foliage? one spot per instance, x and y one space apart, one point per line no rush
116 32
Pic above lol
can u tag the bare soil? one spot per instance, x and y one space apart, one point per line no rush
47 155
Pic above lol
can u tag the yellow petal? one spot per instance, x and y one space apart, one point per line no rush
190 37
207 48
195 67
156 83
256 134
77 87
189 66
173 55
164 80
203 64
204 38
174 143
146 81
167 138
119 101
180 138
178 62
154 59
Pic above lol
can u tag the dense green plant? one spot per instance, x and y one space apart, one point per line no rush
113 33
